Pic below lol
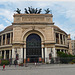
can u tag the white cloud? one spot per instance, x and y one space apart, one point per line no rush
7 14
2 26
70 14
34 0
59 9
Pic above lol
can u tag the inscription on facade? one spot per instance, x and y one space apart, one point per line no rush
32 18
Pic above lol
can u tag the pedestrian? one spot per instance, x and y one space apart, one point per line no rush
15 62
4 67
10 60
35 64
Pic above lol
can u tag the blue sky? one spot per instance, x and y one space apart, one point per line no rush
63 12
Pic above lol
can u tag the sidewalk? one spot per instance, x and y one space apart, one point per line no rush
44 66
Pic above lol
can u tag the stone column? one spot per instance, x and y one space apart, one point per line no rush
42 52
46 55
24 55
21 52
4 54
54 55
9 54
10 38
13 53
21 56
62 39
54 52
65 40
60 50
5 39
2 40
1 53
64 51
59 39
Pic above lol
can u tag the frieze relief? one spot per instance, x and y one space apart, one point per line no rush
24 29
33 19
48 19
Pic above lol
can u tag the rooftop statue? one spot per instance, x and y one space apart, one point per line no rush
47 11
32 10
26 11
39 11
18 11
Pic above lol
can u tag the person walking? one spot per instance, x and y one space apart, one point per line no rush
15 62
3 67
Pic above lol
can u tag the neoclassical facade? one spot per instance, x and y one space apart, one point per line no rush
33 36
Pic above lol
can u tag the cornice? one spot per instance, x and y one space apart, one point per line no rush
30 23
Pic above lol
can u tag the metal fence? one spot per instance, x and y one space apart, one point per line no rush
57 60
62 60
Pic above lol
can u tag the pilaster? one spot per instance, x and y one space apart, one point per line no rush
13 53
24 53
45 54
21 52
42 52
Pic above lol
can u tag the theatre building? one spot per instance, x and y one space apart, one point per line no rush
33 36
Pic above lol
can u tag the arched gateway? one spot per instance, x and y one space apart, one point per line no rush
33 48
32 36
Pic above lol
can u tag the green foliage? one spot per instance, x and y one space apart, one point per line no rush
73 60
65 58
6 62
61 54
52 60
0 57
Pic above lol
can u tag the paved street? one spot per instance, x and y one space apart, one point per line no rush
56 69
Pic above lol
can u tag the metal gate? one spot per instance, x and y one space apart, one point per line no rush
33 48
